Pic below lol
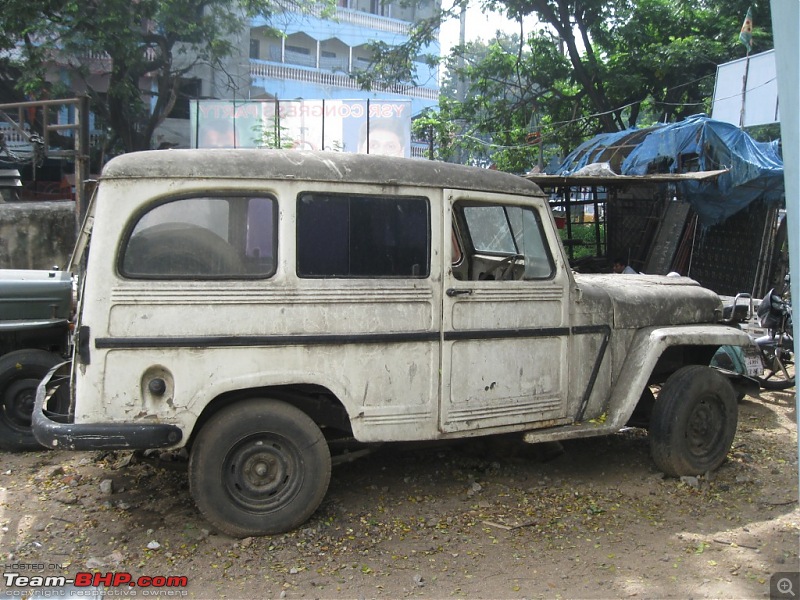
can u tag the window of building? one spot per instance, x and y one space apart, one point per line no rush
204 238
362 236
188 90
379 7
298 49
255 48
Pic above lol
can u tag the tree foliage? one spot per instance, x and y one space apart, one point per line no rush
590 66
510 97
113 47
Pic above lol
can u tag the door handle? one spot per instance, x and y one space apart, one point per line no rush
454 292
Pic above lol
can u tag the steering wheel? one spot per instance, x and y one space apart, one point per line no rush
505 268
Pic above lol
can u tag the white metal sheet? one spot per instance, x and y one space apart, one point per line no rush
760 98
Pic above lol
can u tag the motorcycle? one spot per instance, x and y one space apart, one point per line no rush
777 347
769 361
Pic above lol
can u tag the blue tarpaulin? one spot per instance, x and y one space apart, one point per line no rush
698 143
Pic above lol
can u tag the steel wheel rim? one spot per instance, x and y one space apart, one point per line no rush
263 472
705 426
18 402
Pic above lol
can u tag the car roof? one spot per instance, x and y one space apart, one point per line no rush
312 166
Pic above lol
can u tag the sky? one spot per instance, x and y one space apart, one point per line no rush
478 26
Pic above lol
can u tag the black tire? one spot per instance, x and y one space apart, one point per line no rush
259 467
780 371
776 383
694 421
20 374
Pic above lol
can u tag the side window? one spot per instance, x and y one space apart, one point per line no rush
204 238
506 242
489 229
362 236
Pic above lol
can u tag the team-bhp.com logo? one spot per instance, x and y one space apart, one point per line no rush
158 585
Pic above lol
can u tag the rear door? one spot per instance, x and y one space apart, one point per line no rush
505 317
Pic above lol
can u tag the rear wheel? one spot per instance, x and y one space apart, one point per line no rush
779 369
693 422
20 374
259 467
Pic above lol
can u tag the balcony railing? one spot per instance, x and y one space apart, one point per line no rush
265 70
328 63
370 21
364 19
19 143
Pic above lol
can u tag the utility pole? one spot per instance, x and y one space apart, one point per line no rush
461 92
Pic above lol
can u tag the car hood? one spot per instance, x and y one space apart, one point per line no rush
34 295
650 300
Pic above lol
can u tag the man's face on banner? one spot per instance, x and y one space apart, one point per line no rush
385 143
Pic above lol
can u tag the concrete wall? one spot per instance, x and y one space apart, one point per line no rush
36 235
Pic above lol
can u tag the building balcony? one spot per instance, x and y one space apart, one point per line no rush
260 70
366 20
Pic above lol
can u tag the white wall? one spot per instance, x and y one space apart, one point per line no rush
785 25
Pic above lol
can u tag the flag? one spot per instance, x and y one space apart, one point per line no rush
746 35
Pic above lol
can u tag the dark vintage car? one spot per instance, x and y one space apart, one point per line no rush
35 309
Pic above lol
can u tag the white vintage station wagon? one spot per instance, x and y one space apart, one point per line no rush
256 306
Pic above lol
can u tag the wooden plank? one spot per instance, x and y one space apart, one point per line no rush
667 238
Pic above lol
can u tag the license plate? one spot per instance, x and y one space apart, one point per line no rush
752 362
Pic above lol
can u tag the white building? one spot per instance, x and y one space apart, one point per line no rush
312 56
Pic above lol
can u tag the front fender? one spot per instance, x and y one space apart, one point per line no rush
643 354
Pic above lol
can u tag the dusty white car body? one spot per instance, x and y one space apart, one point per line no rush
455 315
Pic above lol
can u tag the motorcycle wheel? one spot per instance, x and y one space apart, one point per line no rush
779 375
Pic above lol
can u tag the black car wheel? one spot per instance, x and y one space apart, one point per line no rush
20 374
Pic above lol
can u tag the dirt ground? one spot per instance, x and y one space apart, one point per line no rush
478 519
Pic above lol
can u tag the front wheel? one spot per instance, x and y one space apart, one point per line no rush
20 374
694 421
259 467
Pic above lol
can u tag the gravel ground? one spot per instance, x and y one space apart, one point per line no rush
489 518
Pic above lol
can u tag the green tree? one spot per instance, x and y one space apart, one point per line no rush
590 66
439 133
129 41
661 57
630 56
511 95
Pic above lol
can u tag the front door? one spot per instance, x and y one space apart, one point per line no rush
505 319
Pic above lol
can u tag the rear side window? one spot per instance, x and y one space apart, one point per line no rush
362 236
204 238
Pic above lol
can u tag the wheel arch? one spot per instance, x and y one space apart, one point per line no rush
317 401
49 335
656 353
675 357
